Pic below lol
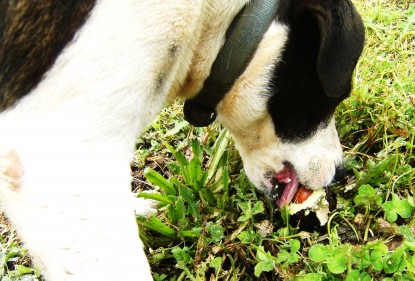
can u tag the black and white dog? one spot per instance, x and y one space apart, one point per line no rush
80 79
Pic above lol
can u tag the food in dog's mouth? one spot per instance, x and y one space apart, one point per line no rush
302 195
316 202
298 198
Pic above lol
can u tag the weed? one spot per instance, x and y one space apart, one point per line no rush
15 264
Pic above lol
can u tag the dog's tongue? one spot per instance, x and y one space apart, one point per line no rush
287 176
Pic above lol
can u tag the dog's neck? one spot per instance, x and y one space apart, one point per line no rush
216 20
242 39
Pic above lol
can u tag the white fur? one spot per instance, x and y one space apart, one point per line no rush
315 159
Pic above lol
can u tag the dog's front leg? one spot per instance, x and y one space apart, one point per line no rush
84 228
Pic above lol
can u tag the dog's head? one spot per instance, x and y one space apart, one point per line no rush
280 111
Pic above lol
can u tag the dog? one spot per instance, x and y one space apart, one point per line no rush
81 79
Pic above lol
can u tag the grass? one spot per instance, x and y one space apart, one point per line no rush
15 263
212 223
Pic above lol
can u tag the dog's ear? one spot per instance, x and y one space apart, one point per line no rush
341 40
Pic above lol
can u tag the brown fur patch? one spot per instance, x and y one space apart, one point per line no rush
32 34
11 169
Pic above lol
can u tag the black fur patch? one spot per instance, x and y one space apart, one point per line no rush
32 34
314 75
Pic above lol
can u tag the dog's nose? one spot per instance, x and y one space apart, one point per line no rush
341 172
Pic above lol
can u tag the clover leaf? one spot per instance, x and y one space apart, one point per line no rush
266 261
396 207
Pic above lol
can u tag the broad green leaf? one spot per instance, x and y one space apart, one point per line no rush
396 207
249 210
181 255
313 277
189 199
22 270
175 168
364 276
283 255
159 277
177 211
293 259
367 195
246 210
390 212
410 245
337 263
367 190
318 253
177 127
295 245
216 231
362 257
159 226
216 263
377 255
394 261
261 255
258 208
156 196
247 237
379 173
353 275
156 179
197 149
180 208
193 234
226 180
263 266
208 196
404 209
289 257
195 174
202 181
179 156
407 234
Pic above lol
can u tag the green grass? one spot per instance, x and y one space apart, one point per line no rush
15 264
212 223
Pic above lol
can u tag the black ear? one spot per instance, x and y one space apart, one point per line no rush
341 40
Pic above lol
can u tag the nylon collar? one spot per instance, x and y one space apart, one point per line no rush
242 38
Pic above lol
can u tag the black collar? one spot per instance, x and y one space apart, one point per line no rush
242 39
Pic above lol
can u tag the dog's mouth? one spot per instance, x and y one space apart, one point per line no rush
286 185
288 191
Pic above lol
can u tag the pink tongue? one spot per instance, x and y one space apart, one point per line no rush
287 175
